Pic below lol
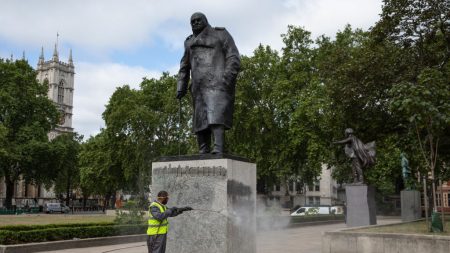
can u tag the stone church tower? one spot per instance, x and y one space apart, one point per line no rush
60 79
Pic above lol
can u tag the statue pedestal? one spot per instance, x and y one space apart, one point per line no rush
411 205
222 191
361 208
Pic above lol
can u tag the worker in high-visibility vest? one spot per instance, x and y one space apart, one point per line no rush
158 225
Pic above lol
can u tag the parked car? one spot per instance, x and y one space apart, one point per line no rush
337 209
311 210
317 210
56 208
294 208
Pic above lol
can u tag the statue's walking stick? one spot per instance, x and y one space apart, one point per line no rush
179 128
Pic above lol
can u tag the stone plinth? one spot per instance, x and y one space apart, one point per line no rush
361 208
222 191
411 205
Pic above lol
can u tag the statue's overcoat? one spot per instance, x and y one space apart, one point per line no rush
212 60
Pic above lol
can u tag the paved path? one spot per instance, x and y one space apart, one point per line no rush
307 239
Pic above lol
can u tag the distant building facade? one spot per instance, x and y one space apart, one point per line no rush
60 79
322 192
444 200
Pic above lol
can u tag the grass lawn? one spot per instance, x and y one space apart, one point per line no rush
42 219
418 227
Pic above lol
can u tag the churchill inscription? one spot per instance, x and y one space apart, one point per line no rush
180 171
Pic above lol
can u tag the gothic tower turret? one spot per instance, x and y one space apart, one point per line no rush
59 76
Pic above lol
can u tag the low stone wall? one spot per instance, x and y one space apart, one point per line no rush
264 223
69 244
350 241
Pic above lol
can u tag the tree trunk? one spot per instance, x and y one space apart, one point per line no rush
433 156
68 190
106 203
9 192
84 201
113 201
286 186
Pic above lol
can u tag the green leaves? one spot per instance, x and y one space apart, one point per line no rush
141 125
66 149
26 116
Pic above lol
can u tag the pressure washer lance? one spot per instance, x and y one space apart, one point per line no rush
183 209
188 208
210 211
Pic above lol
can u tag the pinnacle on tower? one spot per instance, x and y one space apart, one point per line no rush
70 58
41 57
55 54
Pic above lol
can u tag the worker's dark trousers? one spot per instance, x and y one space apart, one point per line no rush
156 243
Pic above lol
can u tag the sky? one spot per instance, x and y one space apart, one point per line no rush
118 42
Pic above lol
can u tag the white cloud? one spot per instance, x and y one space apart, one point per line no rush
106 25
101 28
94 85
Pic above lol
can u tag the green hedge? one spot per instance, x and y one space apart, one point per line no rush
319 217
36 227
55 232
19 211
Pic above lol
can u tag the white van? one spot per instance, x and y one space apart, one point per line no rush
311 210
56 208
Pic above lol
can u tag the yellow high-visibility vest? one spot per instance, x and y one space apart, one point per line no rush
156 227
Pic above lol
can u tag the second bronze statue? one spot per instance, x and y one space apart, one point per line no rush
212 61
362 155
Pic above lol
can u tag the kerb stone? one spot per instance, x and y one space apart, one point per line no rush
223 194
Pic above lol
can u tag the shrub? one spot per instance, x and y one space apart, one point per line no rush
68 232
37 227
130 214
319 217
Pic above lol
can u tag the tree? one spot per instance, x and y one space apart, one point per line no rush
426 105
98 172
26 116
255 113
358 73
420 95
279 100
142 125
66 148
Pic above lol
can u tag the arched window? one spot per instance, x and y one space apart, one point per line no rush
61 92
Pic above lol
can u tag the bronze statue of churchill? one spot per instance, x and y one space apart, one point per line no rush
212 60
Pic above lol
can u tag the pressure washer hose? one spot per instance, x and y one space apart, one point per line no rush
124 248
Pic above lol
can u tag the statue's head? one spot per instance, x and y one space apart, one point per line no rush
348 131
198 22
